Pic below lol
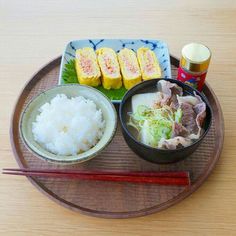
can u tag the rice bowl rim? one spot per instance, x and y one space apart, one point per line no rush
108 134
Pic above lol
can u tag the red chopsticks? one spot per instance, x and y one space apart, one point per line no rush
180 178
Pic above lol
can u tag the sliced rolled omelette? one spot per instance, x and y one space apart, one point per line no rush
149 64
87 69
129 67
107 60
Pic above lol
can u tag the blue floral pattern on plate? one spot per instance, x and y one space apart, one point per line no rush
159 47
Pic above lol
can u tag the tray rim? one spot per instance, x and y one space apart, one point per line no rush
106 214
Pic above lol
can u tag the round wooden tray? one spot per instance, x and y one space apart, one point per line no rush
109 199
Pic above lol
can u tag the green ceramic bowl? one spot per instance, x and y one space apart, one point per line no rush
72 90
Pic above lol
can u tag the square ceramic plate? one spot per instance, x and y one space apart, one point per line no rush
67 69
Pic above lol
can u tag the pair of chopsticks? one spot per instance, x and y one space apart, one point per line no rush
180 178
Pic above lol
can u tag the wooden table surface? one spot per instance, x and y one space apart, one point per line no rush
34 32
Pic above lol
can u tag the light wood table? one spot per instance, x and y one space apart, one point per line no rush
34 32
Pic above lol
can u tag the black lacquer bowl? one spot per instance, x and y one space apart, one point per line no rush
146 152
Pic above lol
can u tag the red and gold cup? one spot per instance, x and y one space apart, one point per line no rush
193 65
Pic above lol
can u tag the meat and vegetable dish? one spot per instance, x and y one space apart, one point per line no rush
167 119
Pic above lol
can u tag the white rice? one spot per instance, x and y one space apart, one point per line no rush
67 126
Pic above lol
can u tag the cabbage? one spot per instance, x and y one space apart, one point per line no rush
178 115
154 124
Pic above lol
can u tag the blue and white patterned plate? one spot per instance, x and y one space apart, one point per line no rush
67 69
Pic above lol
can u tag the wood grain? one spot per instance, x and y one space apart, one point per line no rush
33 32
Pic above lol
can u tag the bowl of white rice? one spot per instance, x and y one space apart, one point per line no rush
68 124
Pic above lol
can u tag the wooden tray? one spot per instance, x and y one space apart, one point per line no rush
109 199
